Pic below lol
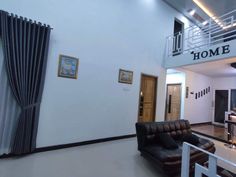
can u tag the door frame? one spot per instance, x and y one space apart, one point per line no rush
182 30
213 106
140 87
180 98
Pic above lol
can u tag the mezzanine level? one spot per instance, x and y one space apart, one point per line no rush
201 43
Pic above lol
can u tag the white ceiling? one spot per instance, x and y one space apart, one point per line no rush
217 7
172 71
219 68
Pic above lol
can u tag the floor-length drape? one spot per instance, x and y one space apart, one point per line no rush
9 110
25 49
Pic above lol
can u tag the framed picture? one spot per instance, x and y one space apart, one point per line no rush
125 76
68 67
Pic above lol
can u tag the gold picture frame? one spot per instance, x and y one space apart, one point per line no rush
125 76
68 67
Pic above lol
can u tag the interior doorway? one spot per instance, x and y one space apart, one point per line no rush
221 105
147 98
233 100
173 102
178 37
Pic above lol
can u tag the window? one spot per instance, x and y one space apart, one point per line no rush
233 100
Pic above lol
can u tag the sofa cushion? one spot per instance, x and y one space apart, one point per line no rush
191 138
167 141
163 154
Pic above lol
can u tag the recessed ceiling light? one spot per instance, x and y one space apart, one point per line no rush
192 12
204 23
207 11
211 15
204 8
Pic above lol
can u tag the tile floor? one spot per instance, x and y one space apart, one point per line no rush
111 159
226 153
211 130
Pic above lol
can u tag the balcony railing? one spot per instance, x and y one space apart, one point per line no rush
215 30
210 171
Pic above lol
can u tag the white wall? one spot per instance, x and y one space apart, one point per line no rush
198 110
224 83
195 110
106 35
178 78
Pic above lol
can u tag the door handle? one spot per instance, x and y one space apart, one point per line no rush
169 104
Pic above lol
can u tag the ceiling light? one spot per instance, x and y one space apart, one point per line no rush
192 12
204 23
205 9
211 15
233 65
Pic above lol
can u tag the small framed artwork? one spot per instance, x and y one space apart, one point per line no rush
68 67
125 76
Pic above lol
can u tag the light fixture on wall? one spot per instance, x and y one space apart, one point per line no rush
233 65
187 92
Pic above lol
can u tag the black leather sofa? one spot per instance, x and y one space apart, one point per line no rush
166 159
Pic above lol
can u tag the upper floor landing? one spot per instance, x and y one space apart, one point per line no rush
213 40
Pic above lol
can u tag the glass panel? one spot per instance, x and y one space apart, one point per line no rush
233 100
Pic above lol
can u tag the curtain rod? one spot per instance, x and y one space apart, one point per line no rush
27 19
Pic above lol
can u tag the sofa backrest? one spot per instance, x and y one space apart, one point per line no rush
147 132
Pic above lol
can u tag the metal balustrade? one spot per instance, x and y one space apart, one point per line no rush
216 30
211 171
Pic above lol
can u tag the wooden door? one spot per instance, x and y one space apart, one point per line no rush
147 99
173 101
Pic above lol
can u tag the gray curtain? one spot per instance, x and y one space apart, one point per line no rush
9 110
25 49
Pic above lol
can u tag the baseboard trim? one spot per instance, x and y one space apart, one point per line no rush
202 123
63 146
